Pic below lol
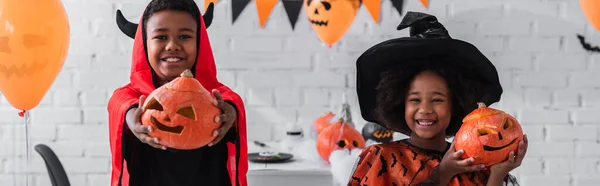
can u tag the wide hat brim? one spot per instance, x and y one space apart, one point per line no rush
461 56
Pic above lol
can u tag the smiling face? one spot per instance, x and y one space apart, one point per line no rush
488 135
428 106
331 18
171 42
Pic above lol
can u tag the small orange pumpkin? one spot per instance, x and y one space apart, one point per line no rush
181 113
488 135
339 135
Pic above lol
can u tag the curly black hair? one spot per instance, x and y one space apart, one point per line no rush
155 6
465 91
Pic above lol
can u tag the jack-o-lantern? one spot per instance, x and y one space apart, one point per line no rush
182 113
331 18
377 133
34 40
340 135
488 135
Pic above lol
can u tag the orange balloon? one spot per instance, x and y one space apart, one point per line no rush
34 40
331 18
591 10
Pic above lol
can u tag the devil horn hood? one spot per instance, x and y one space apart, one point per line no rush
129 28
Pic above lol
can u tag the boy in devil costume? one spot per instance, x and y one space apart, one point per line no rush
170 38
423 86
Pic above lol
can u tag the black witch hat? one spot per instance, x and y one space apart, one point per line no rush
428 38
129 28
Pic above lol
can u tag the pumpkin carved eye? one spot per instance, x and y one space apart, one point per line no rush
342 143
508 124
188 112
355 143
483 132
154 105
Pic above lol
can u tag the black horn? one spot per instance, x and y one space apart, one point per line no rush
128 28
208 15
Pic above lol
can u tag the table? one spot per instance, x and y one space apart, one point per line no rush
298 172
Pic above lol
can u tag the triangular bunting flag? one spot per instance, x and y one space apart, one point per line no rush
207 2
292 8
373 6
237 6
264 8
398 5
425 3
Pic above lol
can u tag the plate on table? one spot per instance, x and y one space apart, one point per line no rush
269 157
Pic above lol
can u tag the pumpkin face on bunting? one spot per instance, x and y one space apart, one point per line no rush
488 135
181 113
340 135
330 19
377 133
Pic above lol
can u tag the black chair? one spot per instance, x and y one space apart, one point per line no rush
57 173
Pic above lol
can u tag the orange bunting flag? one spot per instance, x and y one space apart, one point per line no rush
207 2
425 3
373 7
264 8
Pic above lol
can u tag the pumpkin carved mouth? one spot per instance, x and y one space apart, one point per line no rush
320 23
489 148
162 127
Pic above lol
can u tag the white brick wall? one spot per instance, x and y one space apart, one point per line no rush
551 84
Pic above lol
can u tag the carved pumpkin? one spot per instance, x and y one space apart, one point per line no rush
323 121
34 42
182 113
331 18
339 135
488 135
377 133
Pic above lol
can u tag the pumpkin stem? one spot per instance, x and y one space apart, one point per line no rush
187 73
481 105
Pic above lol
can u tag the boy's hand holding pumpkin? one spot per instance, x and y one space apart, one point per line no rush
133 119
227 118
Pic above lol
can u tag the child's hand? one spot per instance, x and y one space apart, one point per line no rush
133 120
500 170
226 118
452 165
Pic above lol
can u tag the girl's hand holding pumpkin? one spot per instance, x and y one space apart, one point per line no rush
500 170
452 165
227 118
133 119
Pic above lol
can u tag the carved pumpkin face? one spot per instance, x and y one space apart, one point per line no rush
488 135
336 136
331 18
34 40
181 113
377 133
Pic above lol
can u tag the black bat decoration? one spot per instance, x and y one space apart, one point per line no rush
587 46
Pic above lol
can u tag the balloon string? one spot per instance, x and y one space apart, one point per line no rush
26 118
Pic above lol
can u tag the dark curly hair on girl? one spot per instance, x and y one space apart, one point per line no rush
465 91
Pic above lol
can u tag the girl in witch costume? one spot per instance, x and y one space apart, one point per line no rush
170 38
423 86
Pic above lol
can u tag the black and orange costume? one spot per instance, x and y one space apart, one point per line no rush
400 163
135 163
